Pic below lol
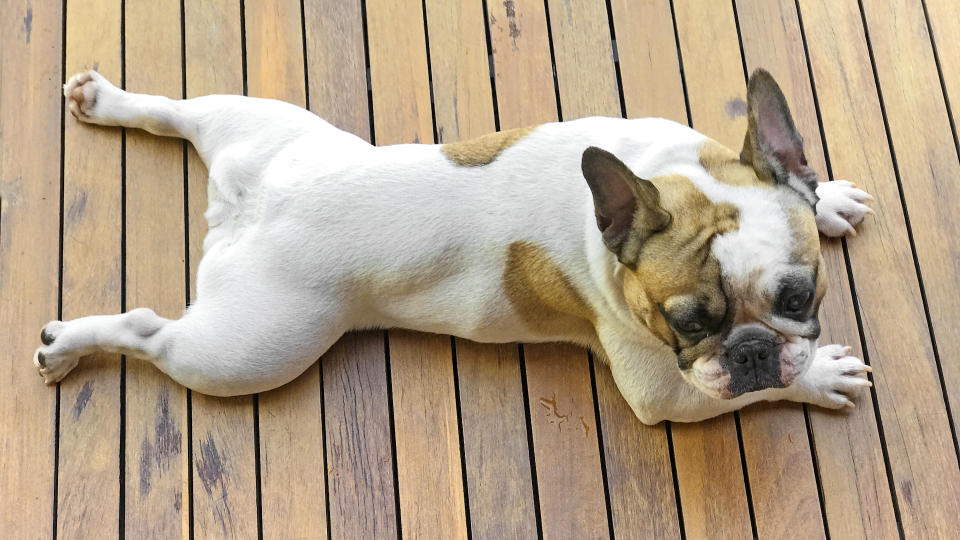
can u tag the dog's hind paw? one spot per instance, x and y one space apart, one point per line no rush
841 207
55 359
85 93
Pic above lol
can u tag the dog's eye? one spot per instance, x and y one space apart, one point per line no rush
690 327
797 302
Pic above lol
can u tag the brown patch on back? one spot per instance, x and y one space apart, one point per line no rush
543 295
484 149
725 165
678 261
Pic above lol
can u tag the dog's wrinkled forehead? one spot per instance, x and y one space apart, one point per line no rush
777 229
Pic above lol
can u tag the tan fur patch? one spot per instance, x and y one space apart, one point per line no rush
678 261
543 295
724 164
484 149
806 236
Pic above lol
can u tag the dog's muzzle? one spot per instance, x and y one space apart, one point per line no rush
752 359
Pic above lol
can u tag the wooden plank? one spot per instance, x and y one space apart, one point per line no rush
564 427
157 462
336 64
523 74
90 396
857 498
921 454
30 109
649 64
495 441
224 455
639 473
944 20
707 454
927 162
496 455
429 470
583 53
359 447
357 414
293 501
460 67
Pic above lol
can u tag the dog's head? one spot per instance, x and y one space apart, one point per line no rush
721 255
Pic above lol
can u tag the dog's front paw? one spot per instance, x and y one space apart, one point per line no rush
86 92
833 378
56 358
841 207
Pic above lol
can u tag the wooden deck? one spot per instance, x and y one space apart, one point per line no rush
434 437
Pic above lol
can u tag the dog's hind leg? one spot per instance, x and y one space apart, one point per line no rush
250 129
216 348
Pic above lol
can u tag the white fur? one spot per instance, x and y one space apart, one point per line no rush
314 232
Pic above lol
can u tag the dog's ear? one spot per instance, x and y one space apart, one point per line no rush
772 145
627 207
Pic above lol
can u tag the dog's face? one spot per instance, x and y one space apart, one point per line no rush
721 261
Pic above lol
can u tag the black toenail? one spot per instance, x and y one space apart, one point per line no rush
46 337
41 359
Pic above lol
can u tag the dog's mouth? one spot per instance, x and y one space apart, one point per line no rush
731 372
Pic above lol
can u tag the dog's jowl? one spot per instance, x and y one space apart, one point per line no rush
694 270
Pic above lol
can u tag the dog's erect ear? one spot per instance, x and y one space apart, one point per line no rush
772 145
627 207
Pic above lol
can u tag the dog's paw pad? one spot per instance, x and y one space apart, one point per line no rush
834 378
84 91
54 361
841 207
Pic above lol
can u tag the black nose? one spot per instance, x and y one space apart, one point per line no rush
755 352
752 359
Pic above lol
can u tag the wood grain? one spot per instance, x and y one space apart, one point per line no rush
857 499
564 427
583 53
293 490
495 441
429 470
357 415
157 462
707 454
460 68
649 64
521 59
30 109
916 432
90 396
359 445
927 164
224 454
496 455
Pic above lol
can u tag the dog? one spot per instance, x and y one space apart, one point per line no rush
694 271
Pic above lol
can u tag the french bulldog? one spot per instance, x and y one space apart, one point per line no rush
692 270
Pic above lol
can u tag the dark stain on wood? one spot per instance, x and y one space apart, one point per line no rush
210 469
28 24
511 9
735 107
168 437
77 207
82 399
146 466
